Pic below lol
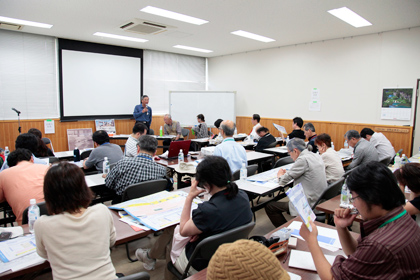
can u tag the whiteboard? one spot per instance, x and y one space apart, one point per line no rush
186 105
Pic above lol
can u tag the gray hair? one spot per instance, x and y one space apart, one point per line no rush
296 143
147 143
168 116
229 131
352 134
309 126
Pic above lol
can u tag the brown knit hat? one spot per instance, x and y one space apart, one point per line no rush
245 259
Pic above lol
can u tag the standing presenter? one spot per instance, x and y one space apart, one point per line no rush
143 113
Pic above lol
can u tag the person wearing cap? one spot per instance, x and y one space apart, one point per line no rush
389 243
245 259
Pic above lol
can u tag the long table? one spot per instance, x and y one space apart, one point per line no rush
301 245
329 206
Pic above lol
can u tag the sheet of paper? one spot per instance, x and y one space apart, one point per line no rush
327 238
16 231
49 127
303 260
18 247
298 199
294 276
21 263
280 128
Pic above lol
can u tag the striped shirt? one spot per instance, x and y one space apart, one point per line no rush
387 252
133 170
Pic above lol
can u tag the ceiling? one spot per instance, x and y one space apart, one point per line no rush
289 22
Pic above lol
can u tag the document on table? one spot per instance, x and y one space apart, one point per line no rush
303 260
327 237
15 248
157 211
298 199
22 262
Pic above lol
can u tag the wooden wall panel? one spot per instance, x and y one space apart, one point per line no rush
399 136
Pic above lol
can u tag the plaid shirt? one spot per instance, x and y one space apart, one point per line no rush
133 170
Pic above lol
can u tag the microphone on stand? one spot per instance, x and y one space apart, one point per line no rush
17 111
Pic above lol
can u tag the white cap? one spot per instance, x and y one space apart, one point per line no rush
32 201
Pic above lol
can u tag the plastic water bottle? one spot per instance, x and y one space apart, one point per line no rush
6 152
287 139
160 131
404 160
397 161
344 201
332 145
244 172
33 214
76 154
346 145
180 156
105 166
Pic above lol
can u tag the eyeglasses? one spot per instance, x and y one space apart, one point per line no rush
353 198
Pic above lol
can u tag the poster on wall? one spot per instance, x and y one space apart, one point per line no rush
80 138
315 104
396 104
107 125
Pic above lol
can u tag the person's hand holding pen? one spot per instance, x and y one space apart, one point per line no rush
281 172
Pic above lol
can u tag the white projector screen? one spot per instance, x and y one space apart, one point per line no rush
99 84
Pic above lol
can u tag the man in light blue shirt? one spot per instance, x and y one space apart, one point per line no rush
233 152
26 141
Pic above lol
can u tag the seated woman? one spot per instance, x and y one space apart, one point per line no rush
75 238
42 150
201 131
409 175
227 208
217 125
333 165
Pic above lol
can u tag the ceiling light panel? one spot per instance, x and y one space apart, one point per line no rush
113 36
25 22
252 36
347 15
192 49
173 15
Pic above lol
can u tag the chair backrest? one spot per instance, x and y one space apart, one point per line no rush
85 154
42 211
144 188
333 190
272 145
251 170
136 276
185 132
151 131
348 172
283 161
207 247
48 141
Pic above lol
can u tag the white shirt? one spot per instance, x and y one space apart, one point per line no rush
254 131
382 145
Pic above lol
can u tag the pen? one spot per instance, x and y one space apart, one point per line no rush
287 256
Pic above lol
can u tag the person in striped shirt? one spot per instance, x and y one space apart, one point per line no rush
389 243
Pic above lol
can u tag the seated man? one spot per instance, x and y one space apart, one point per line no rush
389 244
133 170
171 127
386 151
233 152
27 141
256 123
102 149
363 152
266 139
297 129
311 136
308 170
139 129
21 182
333 165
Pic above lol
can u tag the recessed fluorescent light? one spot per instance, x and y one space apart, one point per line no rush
173 15
192 49
252 36
347 15
25 22
120 37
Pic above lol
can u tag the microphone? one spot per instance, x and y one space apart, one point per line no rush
16 110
